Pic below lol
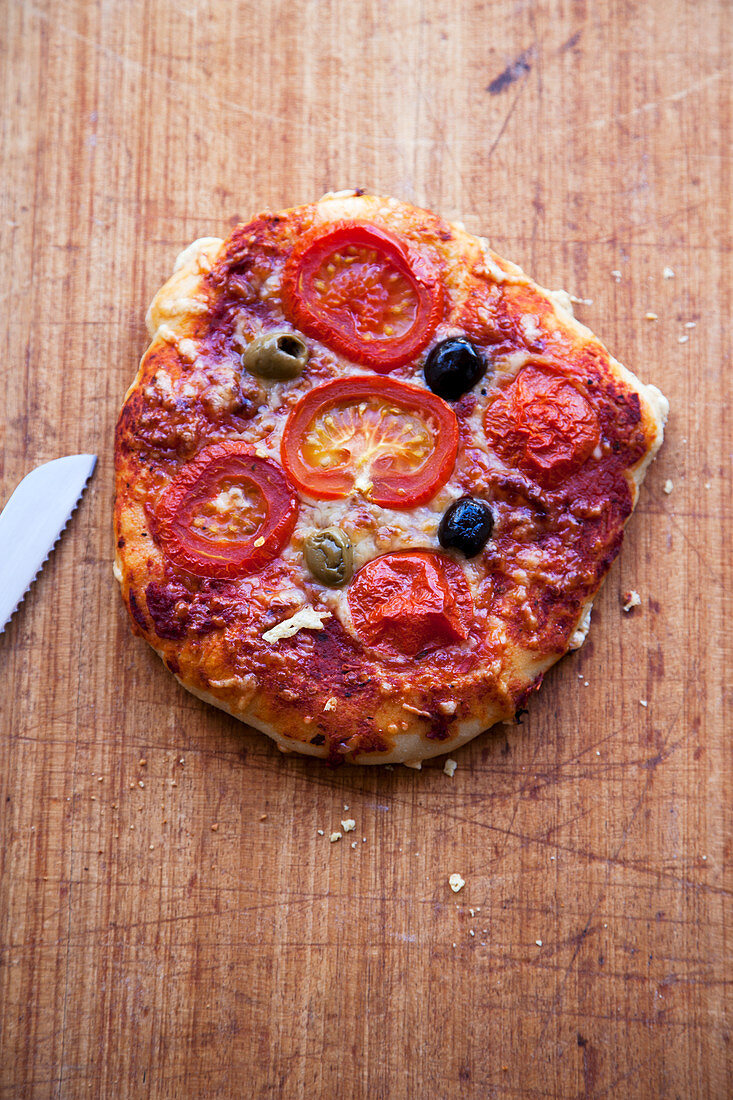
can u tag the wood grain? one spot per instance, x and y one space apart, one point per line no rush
142 952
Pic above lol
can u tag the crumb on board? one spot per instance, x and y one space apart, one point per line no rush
668 486
538 942
416 764
668 273
335 836
450 767
616 275
320 832
631 599
215 827
643 702
348 825
142 762
455 882
683 339
353 844
651 316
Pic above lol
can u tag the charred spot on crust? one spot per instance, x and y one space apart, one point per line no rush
137 612
167 610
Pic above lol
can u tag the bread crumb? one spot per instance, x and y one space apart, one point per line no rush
668 273
348 825
334 837
140 783
456 883
263 817
416 764
668 486
142 762
353 844
215 828
616 276
690 324
683 339
538 942
320 832
631 599
651 316
450 767
330 704
644 703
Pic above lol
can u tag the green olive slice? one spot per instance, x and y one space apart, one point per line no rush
329 556
277 355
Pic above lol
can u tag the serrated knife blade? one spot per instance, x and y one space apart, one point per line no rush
33 519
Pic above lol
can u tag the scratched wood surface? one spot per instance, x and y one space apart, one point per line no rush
145 953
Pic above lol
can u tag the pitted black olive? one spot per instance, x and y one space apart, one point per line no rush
277 355
466 526
453 367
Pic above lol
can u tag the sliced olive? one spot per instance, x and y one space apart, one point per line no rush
453 367
276 355
466 526
329 556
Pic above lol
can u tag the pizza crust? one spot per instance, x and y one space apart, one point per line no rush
413 714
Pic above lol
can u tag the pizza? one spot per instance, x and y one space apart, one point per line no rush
369 478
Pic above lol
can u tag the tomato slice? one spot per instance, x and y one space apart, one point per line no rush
542 424
364 292
227 514
411 602
395 443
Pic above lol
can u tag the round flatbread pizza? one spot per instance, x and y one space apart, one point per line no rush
369 478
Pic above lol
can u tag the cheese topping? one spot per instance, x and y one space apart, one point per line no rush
305 619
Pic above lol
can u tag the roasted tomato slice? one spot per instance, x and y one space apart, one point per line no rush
364 292
394 443
543 424
227 514
411 602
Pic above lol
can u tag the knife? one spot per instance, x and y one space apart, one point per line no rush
31 522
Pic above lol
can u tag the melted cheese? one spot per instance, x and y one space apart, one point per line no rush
305 619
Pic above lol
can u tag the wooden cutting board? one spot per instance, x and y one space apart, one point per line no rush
174 919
